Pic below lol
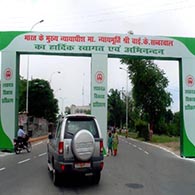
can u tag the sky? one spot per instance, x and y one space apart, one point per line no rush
72 84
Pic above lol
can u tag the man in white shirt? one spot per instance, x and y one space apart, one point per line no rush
21 132
22 135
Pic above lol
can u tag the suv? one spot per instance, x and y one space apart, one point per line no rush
76 147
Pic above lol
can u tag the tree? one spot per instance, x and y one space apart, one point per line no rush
149 94
116 108
169 116
176 121
41 99
175 125
22 94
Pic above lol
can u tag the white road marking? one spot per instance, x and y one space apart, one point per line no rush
3 168
38 143
157 146
140 148
42 154
135 146
23 161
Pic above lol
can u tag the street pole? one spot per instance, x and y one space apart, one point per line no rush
126 97
27 80
127 101
62 108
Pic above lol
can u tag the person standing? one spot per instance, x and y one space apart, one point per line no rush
115 142
109 143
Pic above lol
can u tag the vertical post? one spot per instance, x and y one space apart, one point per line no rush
9 99
99 92
126 97
127 101
27 84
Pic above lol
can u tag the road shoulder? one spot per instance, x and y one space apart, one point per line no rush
173 147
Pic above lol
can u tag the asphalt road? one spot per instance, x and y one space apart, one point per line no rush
138 169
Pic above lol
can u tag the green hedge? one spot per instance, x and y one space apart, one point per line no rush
142 129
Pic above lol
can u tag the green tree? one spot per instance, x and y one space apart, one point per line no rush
175 130
169 116
41 99
149 94
22 94
116 108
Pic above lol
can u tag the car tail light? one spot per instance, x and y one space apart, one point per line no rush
101 146
61 148
101 165
62 167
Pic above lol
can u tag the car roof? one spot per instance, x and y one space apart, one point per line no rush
79 115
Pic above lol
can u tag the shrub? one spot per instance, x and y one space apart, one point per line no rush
142 129
173 130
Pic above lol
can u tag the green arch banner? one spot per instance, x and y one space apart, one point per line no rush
100 47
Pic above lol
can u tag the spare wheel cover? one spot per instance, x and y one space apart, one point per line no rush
83 145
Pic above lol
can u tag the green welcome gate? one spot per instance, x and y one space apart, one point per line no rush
98 46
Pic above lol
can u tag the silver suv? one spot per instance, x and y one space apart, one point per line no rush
76 147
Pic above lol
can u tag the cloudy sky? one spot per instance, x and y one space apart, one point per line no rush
151 17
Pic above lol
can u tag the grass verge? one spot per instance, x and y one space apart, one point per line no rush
155 138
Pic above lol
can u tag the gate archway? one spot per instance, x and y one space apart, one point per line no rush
98 46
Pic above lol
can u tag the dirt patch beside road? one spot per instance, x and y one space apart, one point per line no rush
171 146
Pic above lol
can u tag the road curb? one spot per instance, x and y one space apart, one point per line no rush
36 139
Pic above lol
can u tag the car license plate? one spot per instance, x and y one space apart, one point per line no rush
81 165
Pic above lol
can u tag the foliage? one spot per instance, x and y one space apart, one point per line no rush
164 139
149 94
174 129
170 125
142 129
22 94
116 108
155 138
169 116
41 99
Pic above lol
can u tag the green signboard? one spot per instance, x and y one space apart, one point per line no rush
98 46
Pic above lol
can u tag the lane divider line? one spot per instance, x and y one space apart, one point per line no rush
140 148
135 146
42 154
2 169
38 143
23 161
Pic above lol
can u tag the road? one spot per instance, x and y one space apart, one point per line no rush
139 169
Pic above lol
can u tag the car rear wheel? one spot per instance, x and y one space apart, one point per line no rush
96 178
55 177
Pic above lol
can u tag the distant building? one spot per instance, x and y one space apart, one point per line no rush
79 109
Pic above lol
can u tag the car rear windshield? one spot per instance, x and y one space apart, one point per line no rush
73 125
